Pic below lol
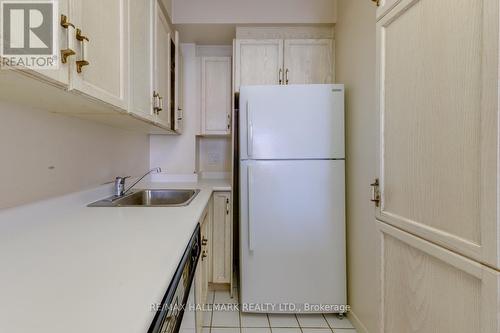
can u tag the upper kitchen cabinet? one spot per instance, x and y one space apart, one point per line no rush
176 82
161 73
308 61
258 62
155 93
301 55
141 59
65 31
216 95
101 67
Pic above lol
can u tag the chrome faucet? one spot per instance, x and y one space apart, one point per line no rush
120 190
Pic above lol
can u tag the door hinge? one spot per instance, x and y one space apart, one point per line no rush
227 206
375 192
377 2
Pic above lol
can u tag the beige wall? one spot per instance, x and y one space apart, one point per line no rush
355 67
45 155
254 11
214 154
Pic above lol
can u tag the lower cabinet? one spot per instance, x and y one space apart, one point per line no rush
202 271
426 288
215 265
221 238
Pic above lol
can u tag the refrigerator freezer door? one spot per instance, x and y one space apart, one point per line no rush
292 122
292 245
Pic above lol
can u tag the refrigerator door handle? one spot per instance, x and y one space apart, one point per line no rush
249 132
249 206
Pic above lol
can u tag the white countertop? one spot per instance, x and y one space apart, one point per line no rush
69 268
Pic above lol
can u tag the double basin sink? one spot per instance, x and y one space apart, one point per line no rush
150 198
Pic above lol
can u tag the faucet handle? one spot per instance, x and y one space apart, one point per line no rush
121 179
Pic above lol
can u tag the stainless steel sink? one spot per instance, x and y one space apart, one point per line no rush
150 198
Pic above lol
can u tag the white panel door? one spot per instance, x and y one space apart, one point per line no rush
105 24
426 288
141 58
66 42
162 68
438 100
292 233
215 95
258 62
308 61
292 122
221 238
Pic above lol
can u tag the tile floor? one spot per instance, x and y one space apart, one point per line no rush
229 320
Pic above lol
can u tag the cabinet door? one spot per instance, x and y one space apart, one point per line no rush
65 37
258 62
178 85
221 238
438 98
206 253
66 42
105 24
216 95
426 288
198 296
308 61
162 67
141 59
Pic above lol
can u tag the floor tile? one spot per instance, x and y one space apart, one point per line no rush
254 320
283 320
225 319
316 330
207 318
223 297
225 330
312 321
344 330
205 330
286 330
256 330
335 322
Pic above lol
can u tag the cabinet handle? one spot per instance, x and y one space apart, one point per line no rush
82 62
157 107
66 53
286 76
280 76
160 99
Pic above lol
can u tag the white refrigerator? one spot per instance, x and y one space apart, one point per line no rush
292 199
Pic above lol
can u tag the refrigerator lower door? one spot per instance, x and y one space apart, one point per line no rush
292 235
